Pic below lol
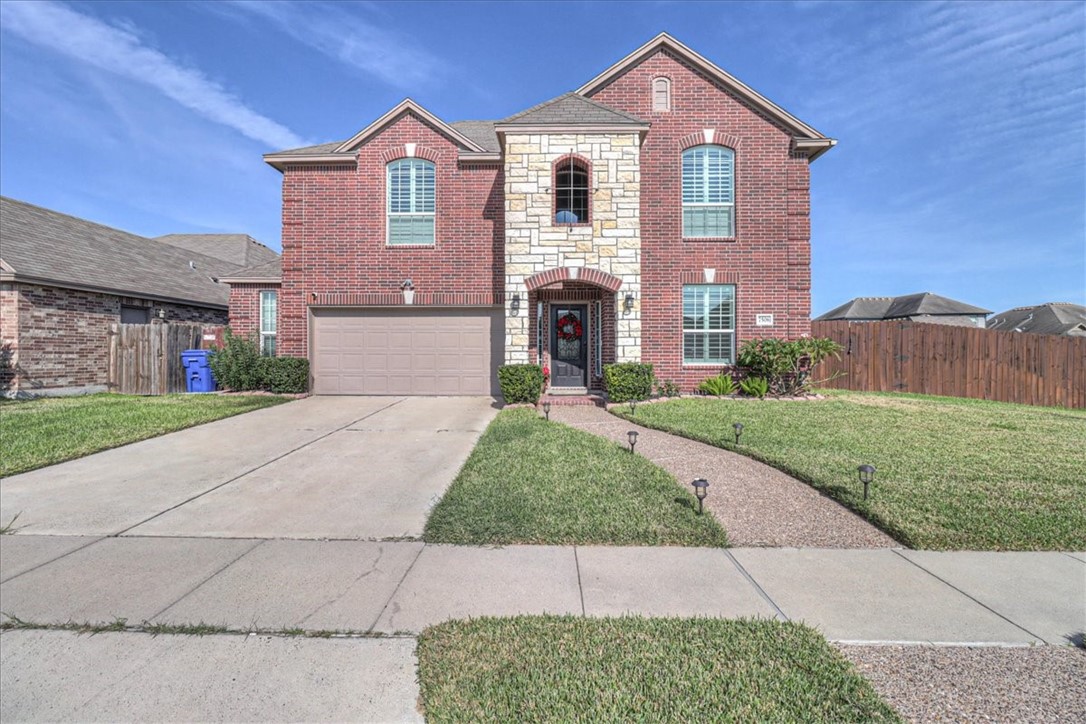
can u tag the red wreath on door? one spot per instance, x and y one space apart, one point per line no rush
569 327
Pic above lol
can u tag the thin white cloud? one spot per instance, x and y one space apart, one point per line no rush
120 51
351 39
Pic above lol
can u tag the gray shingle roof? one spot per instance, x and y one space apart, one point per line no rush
268 270
907 305
307 150
52 247
481 132
573 109
237 249
1050 318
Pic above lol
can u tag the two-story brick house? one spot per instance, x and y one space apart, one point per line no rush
659 213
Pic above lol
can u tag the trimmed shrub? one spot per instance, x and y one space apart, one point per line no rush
285 375
238 365
628 381
754 387
721 385
520 383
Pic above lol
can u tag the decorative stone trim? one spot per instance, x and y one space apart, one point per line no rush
396 299
722 276
591 276
701 138
397 152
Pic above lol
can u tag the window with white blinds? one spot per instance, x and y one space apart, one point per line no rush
268 322
661 94
708 192
411 201
709 324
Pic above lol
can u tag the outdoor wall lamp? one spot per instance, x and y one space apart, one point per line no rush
738 427
627 303
701 489
408 289
160 313
867 474
547 410
632 437
514 304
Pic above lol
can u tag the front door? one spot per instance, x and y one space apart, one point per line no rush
569 345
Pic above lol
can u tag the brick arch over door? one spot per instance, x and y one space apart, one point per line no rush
590 276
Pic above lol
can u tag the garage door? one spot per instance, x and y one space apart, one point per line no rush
406 351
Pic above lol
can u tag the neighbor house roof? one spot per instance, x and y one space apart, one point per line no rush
572 109
38 245
271 271
237 249
908 305
805 136
1051 318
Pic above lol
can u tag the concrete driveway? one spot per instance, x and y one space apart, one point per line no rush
364 468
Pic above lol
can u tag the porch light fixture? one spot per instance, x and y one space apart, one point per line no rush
632 437
867 475
701 489
514 305
160 313
738 427
408 289
547 410
627 303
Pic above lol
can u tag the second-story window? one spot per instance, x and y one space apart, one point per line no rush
410 202
708 192
570 192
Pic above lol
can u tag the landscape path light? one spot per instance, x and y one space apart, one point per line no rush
632 437
701 489
547 410
738 427
633 406
867 474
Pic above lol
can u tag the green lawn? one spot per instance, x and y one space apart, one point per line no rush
534 669
41 432
533 481
953 474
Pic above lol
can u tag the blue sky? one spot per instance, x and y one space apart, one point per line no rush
961 165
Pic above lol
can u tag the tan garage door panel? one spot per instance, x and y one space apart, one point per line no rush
406 352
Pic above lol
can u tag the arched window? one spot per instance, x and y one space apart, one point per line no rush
410 202
661 94
571 192
708 192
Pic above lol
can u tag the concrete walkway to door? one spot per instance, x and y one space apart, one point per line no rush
360 468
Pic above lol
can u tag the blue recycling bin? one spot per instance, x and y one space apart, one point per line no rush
198 377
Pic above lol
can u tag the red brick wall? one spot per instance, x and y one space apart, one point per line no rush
245 307
59 338
334 232
769 260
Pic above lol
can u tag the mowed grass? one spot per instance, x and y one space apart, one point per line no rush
36 433
533 481
953 474
535 669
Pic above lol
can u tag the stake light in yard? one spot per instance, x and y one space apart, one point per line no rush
632 436
547 410
738 427
633 406
701 489
867 474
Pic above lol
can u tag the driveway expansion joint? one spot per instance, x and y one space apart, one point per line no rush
580 586
53 560
781 615
199 585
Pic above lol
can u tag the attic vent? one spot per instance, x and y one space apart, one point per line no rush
661 94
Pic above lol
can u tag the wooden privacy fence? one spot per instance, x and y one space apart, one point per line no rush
937 359
145 359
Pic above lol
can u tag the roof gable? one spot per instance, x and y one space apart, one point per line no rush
571 109
409 106
663 41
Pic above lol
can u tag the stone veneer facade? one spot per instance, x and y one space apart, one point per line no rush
534 243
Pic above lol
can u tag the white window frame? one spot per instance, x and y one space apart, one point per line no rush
414 194
273 323
665 85
704 182
705 331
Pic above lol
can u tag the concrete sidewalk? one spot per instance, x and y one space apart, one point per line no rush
402 587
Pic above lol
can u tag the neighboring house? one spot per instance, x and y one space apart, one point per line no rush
660 213
1061 318
922 307
239 250
64 281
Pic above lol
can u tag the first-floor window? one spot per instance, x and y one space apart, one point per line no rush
267 323
709 324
